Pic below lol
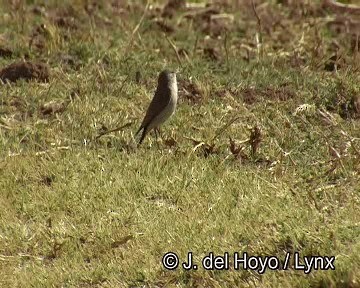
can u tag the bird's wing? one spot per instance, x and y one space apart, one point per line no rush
158 103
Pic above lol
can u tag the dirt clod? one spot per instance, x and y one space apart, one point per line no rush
255 139
212 53
250 95
25 70
53 107
172 6
333 63
163 26
352 108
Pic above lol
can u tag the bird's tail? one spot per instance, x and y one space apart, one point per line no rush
137 132
143 134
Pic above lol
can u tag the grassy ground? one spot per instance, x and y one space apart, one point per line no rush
262 155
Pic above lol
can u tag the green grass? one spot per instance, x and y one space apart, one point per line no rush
81 212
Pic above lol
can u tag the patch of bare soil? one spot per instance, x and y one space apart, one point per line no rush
25 70
69 61
350 109
38 37
283 93
355 105
334 63
210 20
190 91
5 52
212 53
172 6
253 95
66 18
17 107
218 24
163 26
345 101
250 95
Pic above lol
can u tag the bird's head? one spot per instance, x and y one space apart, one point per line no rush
166 78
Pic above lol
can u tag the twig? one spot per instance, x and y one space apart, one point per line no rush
258 35
356 49
312 198
197 143
20 255
256 15
226 50
5 127
138 25
351 140
195 44
227 125
141 19
198 146
175 50
52 150
123 84
192 139
113 130
341 8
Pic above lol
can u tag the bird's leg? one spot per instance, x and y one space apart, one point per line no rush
156 133
156 130
159 131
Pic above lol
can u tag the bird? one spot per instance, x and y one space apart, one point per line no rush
162 106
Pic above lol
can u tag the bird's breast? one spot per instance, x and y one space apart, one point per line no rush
174 91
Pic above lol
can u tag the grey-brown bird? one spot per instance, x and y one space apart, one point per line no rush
163 104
